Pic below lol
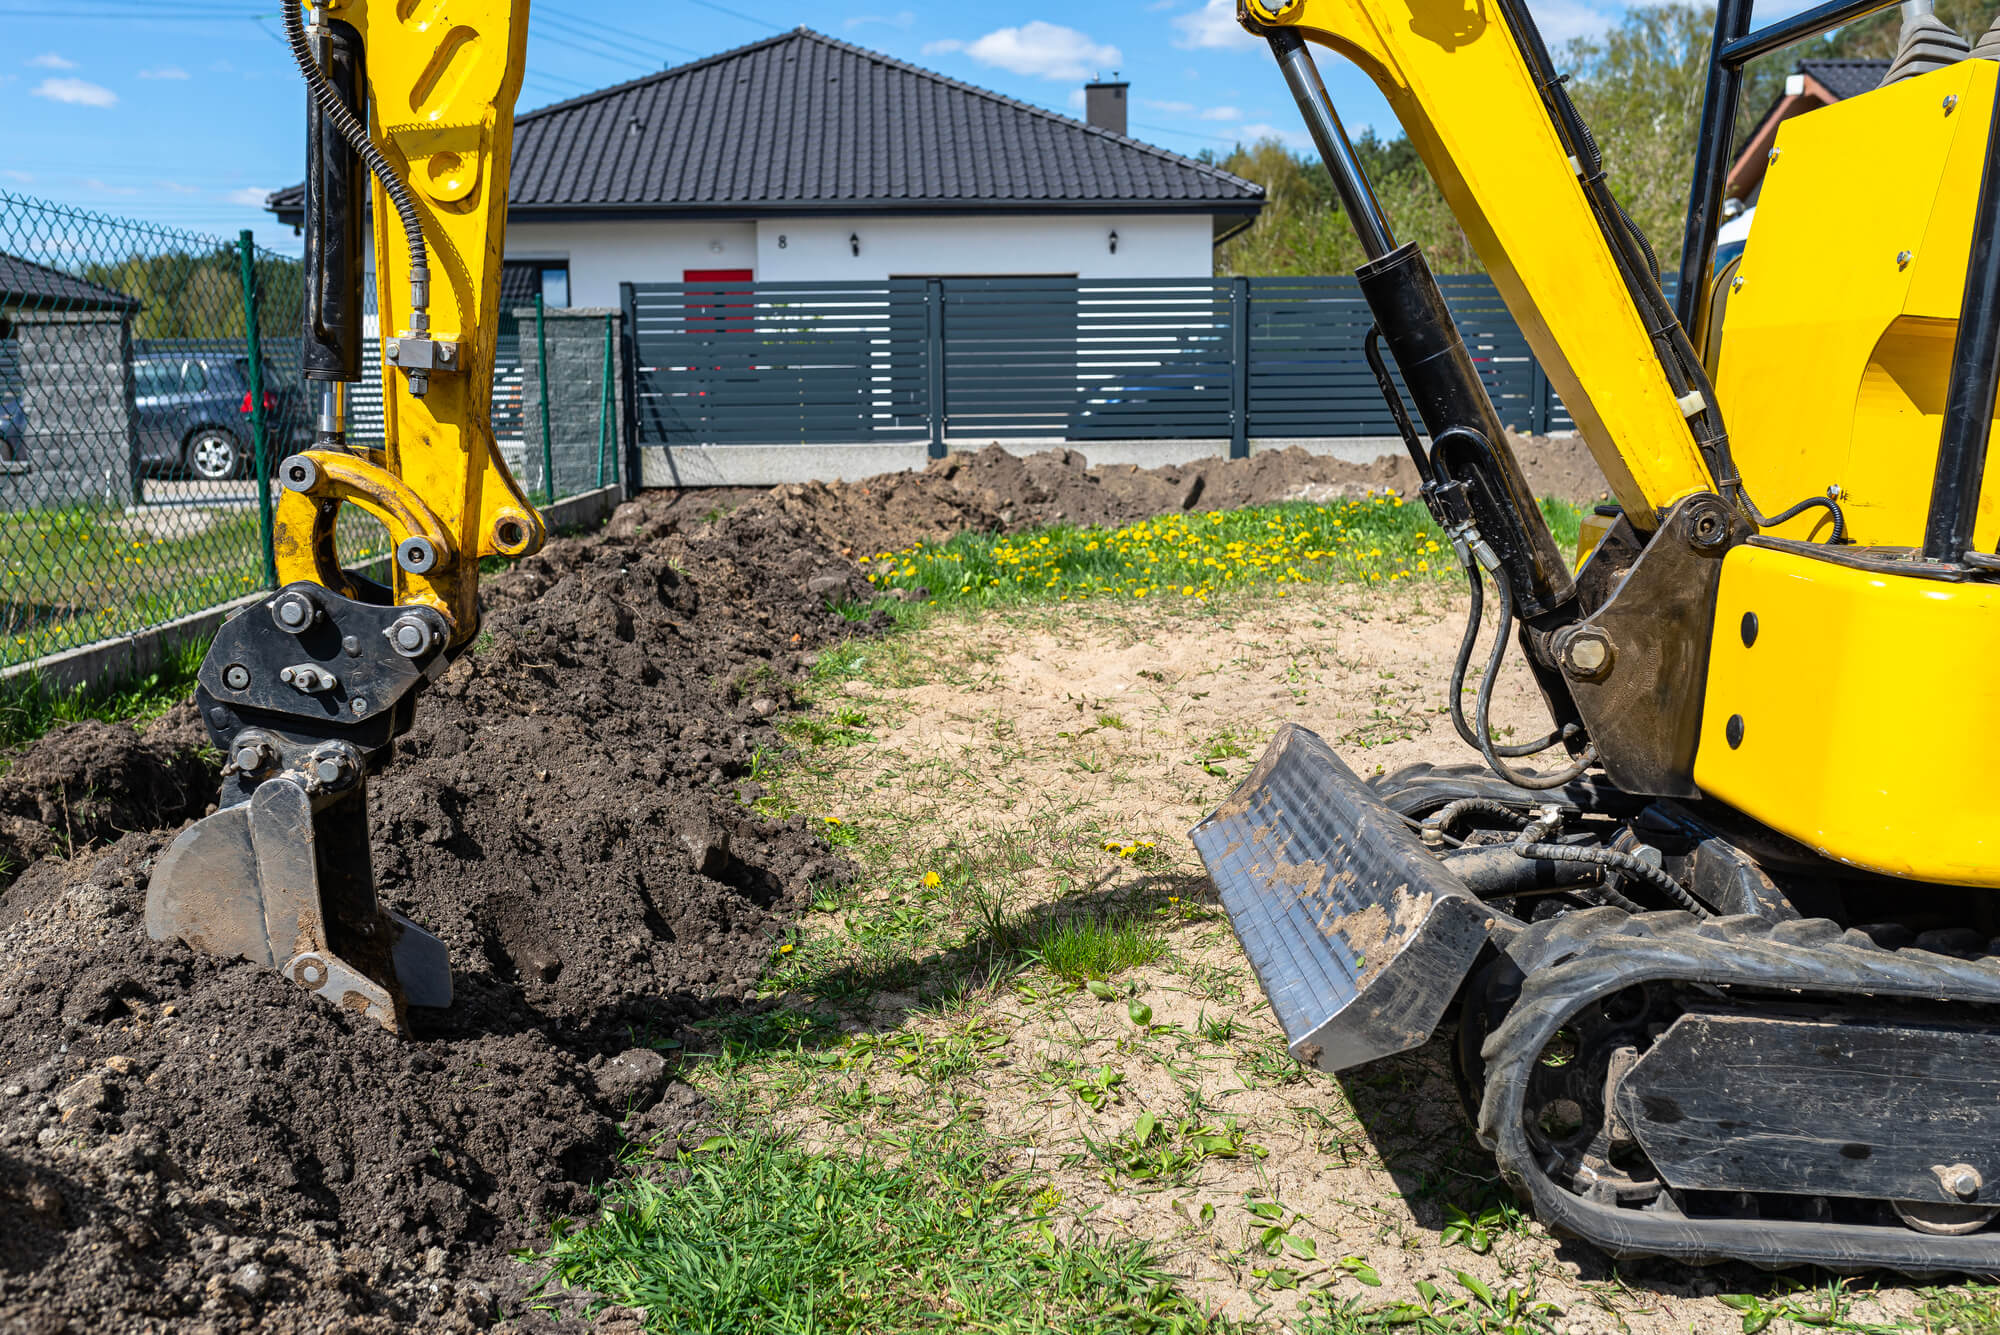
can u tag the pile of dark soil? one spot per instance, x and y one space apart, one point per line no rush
994 490
192 1144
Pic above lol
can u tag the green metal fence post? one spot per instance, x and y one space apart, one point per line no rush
604 407
542 383
259 427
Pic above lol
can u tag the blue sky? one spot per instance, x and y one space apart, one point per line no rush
187 115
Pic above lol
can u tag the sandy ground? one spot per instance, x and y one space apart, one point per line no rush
1013 747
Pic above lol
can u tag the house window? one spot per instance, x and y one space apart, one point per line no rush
521 281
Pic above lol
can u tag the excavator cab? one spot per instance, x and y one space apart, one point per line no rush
1721 967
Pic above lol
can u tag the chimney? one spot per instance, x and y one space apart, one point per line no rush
1104 104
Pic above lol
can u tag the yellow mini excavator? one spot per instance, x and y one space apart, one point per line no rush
1723 970
1722 974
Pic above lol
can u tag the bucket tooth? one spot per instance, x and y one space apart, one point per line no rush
1359 936
283 880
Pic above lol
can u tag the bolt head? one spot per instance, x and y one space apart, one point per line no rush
359 705
1903 258
286 674
410 636
236 676
293 612
329 771
250 757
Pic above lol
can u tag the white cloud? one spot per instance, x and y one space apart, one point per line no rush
49 60
249 196
1214 26
1044 50
25 178
1290 137
1077 102
78 92
164 72
902 18
1222 114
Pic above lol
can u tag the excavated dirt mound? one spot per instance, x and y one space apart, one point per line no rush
993 490
190 1144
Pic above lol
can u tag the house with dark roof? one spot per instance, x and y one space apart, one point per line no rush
805 158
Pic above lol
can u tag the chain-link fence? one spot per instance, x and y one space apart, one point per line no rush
149 387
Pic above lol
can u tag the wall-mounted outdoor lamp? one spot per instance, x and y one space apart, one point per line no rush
854 243
1114 243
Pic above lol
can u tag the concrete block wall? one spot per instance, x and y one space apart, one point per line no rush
575 337
75 376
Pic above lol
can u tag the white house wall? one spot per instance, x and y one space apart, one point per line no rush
602 255
817 249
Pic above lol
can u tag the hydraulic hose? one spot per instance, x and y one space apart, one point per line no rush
1467 643
350 129
1438 824
1623 863
1483 712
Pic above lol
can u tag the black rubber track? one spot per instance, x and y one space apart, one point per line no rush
1585 956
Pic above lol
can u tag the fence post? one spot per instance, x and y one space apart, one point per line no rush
246 243
542 385
934 356
604 405
628 301
1538 398
1239 368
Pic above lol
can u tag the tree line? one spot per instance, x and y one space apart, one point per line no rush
1639 86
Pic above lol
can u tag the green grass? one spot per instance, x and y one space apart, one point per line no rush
1079 949
758 1234
80 574
30 706
1374 540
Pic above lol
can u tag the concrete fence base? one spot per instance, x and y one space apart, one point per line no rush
770 465
129 657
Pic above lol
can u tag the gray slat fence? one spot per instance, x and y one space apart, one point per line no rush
961 359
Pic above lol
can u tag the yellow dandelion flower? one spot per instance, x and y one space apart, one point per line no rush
785 949
932 880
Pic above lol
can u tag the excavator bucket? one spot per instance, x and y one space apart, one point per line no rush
282 879
1359 936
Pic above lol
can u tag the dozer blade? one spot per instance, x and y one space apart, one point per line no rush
1358 935
283 880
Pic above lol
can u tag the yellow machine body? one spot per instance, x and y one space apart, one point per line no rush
1868 709
1836 344
443 76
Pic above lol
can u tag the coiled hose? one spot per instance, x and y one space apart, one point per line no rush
1467 643
356 136
1624 863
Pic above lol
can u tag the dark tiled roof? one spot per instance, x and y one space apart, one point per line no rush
1846 78
25 284
801 122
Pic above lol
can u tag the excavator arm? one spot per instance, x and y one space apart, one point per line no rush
305 692
1478 116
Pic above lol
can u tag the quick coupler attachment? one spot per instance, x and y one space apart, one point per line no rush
303 693
1359 936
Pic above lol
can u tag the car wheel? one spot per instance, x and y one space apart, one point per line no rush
214 455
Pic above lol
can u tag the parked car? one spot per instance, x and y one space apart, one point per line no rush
194 415
13 429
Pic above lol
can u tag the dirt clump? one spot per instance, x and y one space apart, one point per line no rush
188 1143
84 784
996 491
